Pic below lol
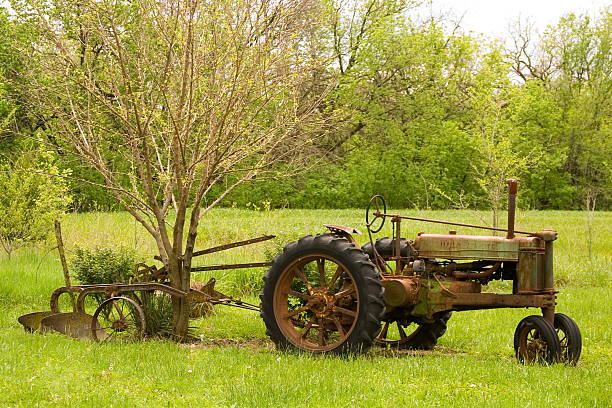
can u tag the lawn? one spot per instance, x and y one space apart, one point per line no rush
234 364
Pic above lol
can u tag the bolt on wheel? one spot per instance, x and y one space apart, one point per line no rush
118 319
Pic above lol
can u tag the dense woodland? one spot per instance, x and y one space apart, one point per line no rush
412 108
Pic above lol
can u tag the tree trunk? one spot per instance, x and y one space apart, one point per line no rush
180 306
180 317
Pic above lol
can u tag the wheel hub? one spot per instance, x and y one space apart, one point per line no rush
119 325
321 303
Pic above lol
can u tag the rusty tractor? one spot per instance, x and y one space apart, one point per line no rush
325 293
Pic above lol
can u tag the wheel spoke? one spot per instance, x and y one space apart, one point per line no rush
117 308
299 295
298 311
321 267
345 292
307 328
383 332
334 278
345 311
339 326
321 329
562 336
401 331
301 275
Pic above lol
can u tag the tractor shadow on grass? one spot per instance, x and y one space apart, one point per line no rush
261 344
240 343
391 352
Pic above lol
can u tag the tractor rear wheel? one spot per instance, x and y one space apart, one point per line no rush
322 295
385 246
423 336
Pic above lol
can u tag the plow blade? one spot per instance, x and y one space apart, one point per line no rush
32 321
73 324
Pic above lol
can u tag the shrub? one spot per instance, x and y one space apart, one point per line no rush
31 199
102 265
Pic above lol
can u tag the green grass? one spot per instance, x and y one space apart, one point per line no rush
234 364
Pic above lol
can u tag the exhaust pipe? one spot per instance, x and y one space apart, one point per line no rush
512 189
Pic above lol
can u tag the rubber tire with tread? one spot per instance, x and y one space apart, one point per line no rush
365 277
546 331
571 352
426 336
385 246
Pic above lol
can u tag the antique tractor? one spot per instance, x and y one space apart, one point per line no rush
324 293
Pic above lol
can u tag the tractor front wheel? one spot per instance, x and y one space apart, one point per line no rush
322 295
569 337
535 340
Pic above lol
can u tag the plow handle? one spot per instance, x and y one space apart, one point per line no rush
62 254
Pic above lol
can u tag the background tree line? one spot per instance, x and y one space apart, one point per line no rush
415 110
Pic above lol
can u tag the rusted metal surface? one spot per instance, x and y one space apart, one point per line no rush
32 321
316 303
233 245
343 232
342 228
400 291
118 319
446 272
147 278
481 277
469 286
466 247
405 217
512 189
73 324
231 266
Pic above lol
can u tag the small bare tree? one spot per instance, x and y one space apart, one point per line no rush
499 159
170 100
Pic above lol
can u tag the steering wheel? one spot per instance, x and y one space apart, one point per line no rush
378 201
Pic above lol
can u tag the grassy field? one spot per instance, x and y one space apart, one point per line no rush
234 364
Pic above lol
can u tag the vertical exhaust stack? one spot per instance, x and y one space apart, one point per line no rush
512 189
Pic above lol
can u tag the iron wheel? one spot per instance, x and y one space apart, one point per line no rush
118 319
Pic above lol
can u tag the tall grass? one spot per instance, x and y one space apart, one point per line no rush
235 365
34 272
